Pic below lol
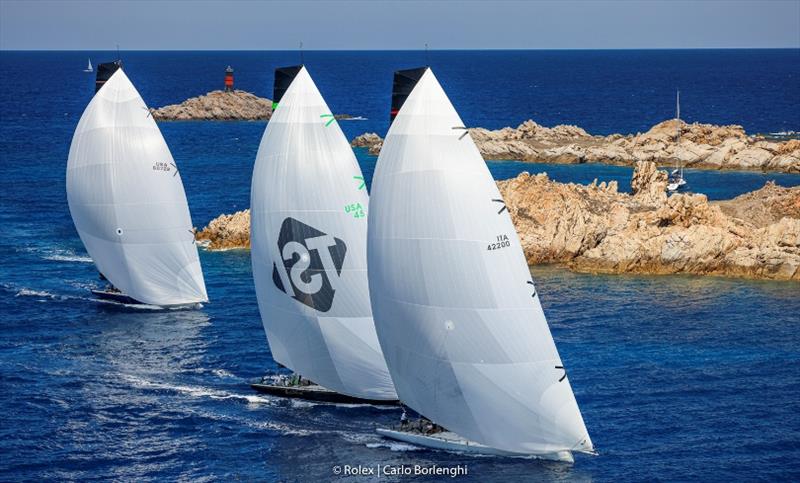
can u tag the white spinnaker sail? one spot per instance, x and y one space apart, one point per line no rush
127 200
455 308
308 236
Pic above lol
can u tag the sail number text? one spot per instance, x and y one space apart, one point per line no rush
161 166
355 209
501 241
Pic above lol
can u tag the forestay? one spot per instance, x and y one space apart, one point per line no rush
455 308
308 235
127 200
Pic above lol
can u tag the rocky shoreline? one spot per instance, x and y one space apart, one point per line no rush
703 146
594 228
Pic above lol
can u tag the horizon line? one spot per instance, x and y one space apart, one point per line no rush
504 49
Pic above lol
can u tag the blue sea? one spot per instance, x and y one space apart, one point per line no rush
678 377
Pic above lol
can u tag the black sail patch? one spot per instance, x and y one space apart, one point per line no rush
283 79
311 264
402 85
104 72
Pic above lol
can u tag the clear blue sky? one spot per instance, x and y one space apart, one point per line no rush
325 25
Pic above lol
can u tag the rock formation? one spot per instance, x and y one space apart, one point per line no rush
594 228
226 232
221 106
702 146
368 140
649 183
764 206
217 106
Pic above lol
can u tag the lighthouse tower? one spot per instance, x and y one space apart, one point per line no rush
229 79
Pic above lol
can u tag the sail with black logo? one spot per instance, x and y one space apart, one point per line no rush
126 198
308 236
455 308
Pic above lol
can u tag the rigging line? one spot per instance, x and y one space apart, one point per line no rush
331 116
466 131
504 208
530 282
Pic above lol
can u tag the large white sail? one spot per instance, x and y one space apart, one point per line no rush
308 237
127 200
455 308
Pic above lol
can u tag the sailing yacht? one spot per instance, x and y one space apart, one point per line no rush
89 68
127 202
309 208
456 311
676 179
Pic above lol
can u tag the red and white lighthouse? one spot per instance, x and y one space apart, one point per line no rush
229 79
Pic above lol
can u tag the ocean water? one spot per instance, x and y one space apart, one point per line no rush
678 378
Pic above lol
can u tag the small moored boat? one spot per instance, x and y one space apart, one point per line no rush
676 180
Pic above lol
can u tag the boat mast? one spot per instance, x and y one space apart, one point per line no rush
678 137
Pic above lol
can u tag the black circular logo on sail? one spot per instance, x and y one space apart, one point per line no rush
312 262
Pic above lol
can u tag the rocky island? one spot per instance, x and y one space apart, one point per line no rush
595 228
233 105
226 232
704 146
217 106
